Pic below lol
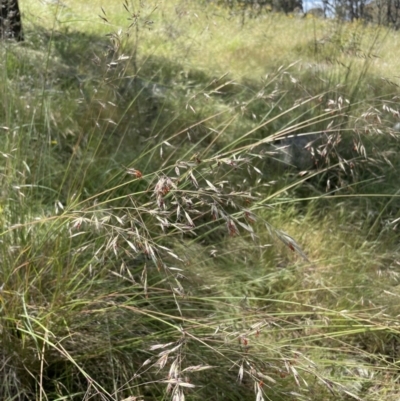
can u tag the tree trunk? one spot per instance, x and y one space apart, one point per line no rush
10 20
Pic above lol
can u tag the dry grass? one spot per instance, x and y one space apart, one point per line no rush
151 246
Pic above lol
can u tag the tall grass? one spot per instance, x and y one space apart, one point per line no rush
154 245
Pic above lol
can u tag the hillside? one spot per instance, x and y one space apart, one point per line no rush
198 204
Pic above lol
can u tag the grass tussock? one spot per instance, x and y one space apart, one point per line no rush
195 207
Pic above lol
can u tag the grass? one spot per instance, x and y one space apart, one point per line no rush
154 245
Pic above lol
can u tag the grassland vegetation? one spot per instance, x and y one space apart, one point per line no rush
160 238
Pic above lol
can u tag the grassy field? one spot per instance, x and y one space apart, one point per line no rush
158 239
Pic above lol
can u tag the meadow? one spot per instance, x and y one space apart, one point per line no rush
157 244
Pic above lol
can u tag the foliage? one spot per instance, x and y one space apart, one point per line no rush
156 244
258 6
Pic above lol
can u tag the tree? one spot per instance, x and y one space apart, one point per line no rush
286 6
382 12
349 10
10 20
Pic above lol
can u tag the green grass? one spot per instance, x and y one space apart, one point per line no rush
154 245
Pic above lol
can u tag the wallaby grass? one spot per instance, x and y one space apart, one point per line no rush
154 245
